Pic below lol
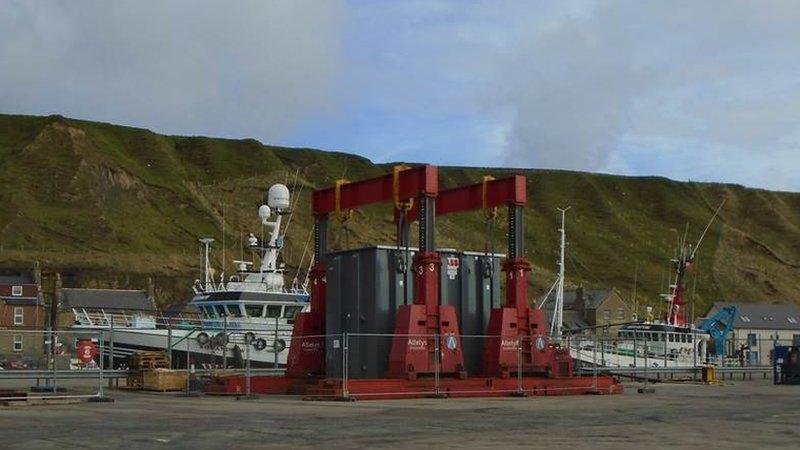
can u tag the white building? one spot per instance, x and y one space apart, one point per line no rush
758 328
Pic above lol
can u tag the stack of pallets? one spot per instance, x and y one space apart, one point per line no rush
150 371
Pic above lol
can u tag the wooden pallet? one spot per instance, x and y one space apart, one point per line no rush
148 361
163 380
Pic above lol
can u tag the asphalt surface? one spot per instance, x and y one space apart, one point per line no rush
749 415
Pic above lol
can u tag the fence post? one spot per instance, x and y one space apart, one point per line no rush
520 388
603 349
645 389
102 362
275 346
436 354
169 342
695 343
345 364
225 347
188 367
247 367
594 361
111 352
53 344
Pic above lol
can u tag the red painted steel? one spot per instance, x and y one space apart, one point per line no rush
521 330
504 191
307 351
415 349
413 182
393 388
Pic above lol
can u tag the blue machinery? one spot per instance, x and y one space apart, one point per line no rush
719 326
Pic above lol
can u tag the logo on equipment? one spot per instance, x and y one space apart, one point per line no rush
451 342
453 264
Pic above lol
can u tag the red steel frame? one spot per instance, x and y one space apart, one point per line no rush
517 329
519 332
425 316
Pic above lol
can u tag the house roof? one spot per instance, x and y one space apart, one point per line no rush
106 299
592 297
573 321
17 279
768 316
21 301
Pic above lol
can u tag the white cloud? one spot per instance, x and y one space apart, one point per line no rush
574 84
586 85
245 68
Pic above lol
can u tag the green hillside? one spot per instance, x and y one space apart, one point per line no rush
109 206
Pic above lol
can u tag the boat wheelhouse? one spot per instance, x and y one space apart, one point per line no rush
251 308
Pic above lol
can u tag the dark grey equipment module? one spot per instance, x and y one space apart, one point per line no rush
366 285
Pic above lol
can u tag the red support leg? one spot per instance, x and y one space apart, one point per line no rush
307 349
521 343
414 346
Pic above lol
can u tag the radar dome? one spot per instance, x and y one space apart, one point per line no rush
264 212
278 197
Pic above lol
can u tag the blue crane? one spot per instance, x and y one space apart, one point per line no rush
719 326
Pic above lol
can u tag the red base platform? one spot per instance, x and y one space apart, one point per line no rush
393 388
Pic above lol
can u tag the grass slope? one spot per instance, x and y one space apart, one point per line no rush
111 205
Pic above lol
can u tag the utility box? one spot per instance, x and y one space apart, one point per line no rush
786 365
366 286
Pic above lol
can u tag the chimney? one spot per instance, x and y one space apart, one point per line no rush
55 303
580 303
37 278
151 290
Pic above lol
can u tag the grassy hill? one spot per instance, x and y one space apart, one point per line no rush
110 206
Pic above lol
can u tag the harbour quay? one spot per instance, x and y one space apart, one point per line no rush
751 414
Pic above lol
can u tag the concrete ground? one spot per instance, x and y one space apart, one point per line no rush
749 415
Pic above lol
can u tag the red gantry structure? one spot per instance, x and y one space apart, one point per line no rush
427 339
517 333
413 350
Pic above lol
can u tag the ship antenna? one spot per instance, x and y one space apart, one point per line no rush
635 307
706 229
558 310
206 263
223 239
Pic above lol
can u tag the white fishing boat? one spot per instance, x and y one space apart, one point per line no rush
671 342
646 343
249 315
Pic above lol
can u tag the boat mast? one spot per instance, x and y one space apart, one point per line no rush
207 281
558 309
686 257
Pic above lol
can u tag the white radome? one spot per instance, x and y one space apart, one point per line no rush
264 212
278 197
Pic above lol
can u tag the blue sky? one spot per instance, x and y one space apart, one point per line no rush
685 89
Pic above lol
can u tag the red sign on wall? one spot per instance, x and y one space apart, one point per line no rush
86 351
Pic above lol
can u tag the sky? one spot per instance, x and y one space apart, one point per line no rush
692 90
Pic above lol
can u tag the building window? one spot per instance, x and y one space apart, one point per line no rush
16 291
606 315
796 339
19 315
17 342
751 339
744 318
620 314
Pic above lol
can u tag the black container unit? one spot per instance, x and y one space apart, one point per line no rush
473 288
365 286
